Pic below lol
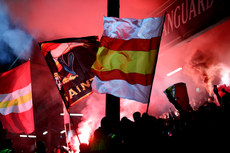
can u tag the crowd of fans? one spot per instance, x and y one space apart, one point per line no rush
206 128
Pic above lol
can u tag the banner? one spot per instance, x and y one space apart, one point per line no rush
187 19
16 108
70 61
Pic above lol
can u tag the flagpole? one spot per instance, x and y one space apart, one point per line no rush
154 70
15 61
63 98
66 137
72 122
113 102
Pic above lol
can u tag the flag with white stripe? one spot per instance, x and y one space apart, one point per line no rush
16 108
127 56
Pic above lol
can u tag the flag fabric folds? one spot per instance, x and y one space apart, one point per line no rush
127 56
221 87
16 109
70 62
180 95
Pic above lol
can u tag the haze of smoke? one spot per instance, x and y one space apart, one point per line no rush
48 19
208 63
92 115
14 42
207 69
201 63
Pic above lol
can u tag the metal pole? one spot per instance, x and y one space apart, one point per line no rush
113 102
71 120
16 59
154 70
113 8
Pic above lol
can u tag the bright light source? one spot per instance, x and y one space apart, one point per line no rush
63 131
175 71
32 136
72 114
44 133
225 78
23 136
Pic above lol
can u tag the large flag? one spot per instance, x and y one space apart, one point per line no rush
179 92
70 62
16 109
127 56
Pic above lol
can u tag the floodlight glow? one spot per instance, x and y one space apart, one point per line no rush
44 133
72 114
175 71
32 136
63 131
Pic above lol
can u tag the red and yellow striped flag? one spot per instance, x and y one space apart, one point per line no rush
16 109
127 56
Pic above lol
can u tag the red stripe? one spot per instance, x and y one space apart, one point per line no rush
19 122
14 79
132 44
46 47
131 78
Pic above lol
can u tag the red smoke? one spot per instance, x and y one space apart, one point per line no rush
204 59
204 62
93 112
47 19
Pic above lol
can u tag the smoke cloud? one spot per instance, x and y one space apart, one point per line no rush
204 59
208 69
15 42
93 113
208 62
138 8
48 19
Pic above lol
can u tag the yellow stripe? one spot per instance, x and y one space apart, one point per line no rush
17 101
127 61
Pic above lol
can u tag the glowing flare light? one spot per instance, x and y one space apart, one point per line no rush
85 132
225 76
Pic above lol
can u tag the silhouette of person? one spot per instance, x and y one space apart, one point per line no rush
41 148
